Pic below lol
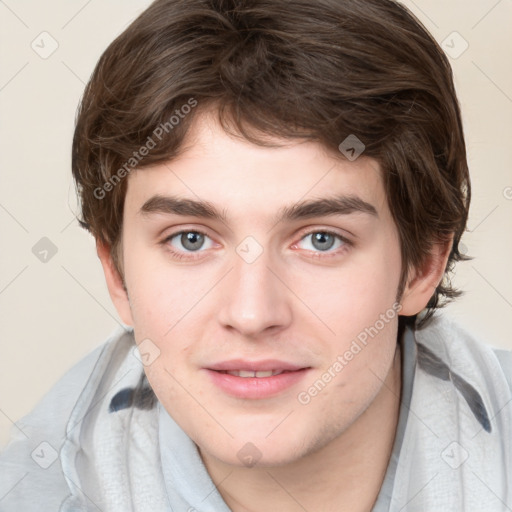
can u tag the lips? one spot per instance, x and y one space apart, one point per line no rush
255 379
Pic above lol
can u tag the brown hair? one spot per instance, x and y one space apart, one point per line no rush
319 70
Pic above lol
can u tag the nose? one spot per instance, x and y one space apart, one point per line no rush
254 298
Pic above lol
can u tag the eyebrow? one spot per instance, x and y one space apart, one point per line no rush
338 205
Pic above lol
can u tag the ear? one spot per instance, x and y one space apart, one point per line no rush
115 284
423 282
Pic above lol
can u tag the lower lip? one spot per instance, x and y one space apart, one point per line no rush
256 387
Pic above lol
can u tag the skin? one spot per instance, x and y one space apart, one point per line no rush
295 302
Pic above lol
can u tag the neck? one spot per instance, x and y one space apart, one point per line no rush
345 475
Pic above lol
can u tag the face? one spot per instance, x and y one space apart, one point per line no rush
253 280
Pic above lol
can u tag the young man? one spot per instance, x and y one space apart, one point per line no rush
277 190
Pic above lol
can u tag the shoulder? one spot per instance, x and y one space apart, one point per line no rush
505 360
30 462
461 349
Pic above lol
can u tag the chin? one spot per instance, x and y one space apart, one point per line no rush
249 455
254 449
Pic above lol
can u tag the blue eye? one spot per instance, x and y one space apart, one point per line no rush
324 241
190 241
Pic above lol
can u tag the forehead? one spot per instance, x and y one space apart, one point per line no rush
239 176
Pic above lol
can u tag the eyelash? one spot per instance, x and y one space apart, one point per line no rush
318 254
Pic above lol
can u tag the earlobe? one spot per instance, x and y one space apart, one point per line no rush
423 282
115 283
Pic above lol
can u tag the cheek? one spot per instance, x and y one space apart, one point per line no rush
365 319
161 294
353 296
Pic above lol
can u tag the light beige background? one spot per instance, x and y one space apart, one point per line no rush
54 312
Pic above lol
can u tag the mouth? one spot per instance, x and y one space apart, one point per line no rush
255 381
